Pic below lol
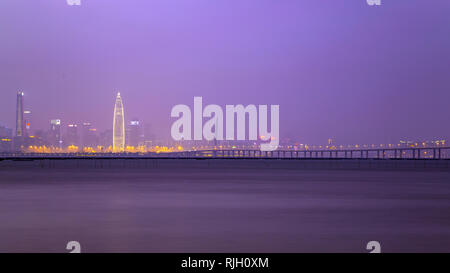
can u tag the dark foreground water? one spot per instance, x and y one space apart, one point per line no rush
215 208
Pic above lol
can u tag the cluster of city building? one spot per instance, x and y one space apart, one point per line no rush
70 137
135 137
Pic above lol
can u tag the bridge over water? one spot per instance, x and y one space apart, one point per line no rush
385 153
422 153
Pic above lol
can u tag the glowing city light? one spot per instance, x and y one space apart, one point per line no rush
118 126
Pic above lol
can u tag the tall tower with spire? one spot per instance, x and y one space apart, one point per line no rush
118 126
19 116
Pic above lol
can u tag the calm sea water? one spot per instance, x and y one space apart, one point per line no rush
222 209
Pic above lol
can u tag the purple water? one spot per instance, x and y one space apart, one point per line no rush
222 208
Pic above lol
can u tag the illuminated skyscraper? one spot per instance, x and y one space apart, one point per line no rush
118 126
20 128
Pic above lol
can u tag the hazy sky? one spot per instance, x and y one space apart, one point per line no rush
337 68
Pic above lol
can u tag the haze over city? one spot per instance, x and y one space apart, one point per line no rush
353 73
212 134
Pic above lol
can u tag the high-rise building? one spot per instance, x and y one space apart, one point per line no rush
89 136
118 126
134 133
27 122
86 126
71 136
19 115
54 137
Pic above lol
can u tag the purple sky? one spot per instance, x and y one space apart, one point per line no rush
337 68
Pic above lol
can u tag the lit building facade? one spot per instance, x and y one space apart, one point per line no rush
71 138
134 133
118 126
27 123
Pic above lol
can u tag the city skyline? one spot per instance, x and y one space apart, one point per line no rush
128 136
